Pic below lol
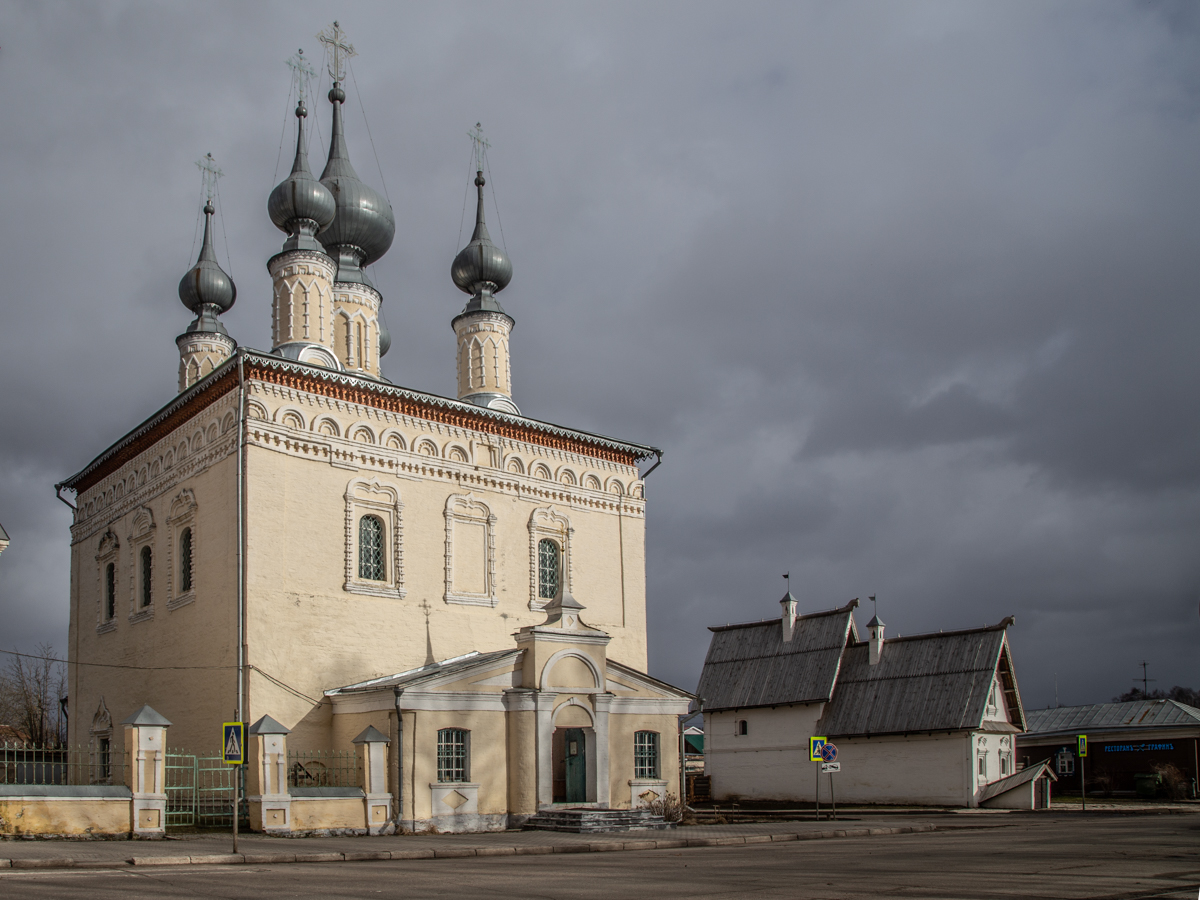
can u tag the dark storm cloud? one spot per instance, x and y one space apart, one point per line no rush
908 293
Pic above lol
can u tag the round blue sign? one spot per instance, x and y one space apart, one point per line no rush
829 752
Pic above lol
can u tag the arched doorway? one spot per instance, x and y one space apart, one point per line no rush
570 765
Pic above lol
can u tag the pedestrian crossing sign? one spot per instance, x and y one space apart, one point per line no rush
816 749
233 743
1081 744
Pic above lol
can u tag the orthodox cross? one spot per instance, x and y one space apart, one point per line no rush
301 70
210 173
334 40
788 577
481 145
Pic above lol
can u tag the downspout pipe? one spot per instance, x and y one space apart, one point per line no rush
241 541
58 493
399 761
658 462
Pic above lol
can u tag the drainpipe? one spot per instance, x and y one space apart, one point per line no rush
399 762
657 453
241 538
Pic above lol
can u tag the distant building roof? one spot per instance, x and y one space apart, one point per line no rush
1111 717
433 670
927 682
750 665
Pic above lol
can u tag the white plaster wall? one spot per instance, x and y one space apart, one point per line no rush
768 763
771 762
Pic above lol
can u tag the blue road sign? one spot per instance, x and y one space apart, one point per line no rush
828 752
233 743
815 746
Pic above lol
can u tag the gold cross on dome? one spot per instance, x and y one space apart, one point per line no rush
481 145
210 173
334 40
301 70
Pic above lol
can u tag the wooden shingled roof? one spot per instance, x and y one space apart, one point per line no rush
750 665
922 683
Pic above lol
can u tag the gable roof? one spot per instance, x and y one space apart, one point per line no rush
922 683
1112 717
750 665
1011 782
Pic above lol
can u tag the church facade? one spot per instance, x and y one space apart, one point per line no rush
295 537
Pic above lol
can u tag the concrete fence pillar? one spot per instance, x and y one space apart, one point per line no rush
145 773
377 800
267 777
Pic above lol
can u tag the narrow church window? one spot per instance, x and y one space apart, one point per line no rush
370 549
103 760
982 765
147 569
645 754
1003 765
110 591
185 560
547 569
452 755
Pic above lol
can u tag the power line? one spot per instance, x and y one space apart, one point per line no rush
363 109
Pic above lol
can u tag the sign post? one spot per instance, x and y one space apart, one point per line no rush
816 746
1081 749
233 753
829 753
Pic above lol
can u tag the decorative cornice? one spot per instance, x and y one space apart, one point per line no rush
349 388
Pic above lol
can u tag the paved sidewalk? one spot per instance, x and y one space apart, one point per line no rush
196 849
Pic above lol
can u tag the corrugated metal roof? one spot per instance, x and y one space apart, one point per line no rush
932 682
750 665
1112 716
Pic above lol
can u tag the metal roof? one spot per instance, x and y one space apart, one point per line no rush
922 683
433 670
1112 716
750 665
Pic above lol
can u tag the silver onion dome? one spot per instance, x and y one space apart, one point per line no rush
206 290
300 205
385 336
363 225
481 268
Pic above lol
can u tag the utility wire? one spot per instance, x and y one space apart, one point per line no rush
363 108
466 193
269 677
225 234
283 131
492 182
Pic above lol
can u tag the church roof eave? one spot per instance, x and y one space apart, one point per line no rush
224 378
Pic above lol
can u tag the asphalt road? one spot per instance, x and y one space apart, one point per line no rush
1123 857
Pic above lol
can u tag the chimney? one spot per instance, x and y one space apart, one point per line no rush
789 616
876 646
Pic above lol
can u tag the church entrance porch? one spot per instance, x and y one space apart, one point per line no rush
570 765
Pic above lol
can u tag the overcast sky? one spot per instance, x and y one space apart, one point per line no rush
907 292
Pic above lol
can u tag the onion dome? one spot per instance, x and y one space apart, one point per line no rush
385 336
363 226
481 268
300 205
206 290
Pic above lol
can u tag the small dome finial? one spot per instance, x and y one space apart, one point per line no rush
481 268
301 206
206 289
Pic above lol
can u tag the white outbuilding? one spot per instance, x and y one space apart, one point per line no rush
928 719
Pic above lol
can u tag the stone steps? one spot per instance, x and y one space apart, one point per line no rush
588 820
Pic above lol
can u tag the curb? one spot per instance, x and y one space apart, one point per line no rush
258 859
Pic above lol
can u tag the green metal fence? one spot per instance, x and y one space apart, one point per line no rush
200 791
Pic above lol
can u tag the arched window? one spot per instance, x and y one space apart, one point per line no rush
453 755
185 560
548 569
110 591
370 549
645 754
147 571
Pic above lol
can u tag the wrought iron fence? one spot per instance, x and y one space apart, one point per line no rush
324 768
29 763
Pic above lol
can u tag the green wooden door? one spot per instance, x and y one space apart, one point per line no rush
576 760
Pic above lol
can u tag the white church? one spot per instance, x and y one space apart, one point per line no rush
293 541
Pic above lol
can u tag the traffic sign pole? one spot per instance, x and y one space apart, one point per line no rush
1082 748
832 799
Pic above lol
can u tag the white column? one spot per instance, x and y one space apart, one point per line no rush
146 743
544 703
601 704
377 800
